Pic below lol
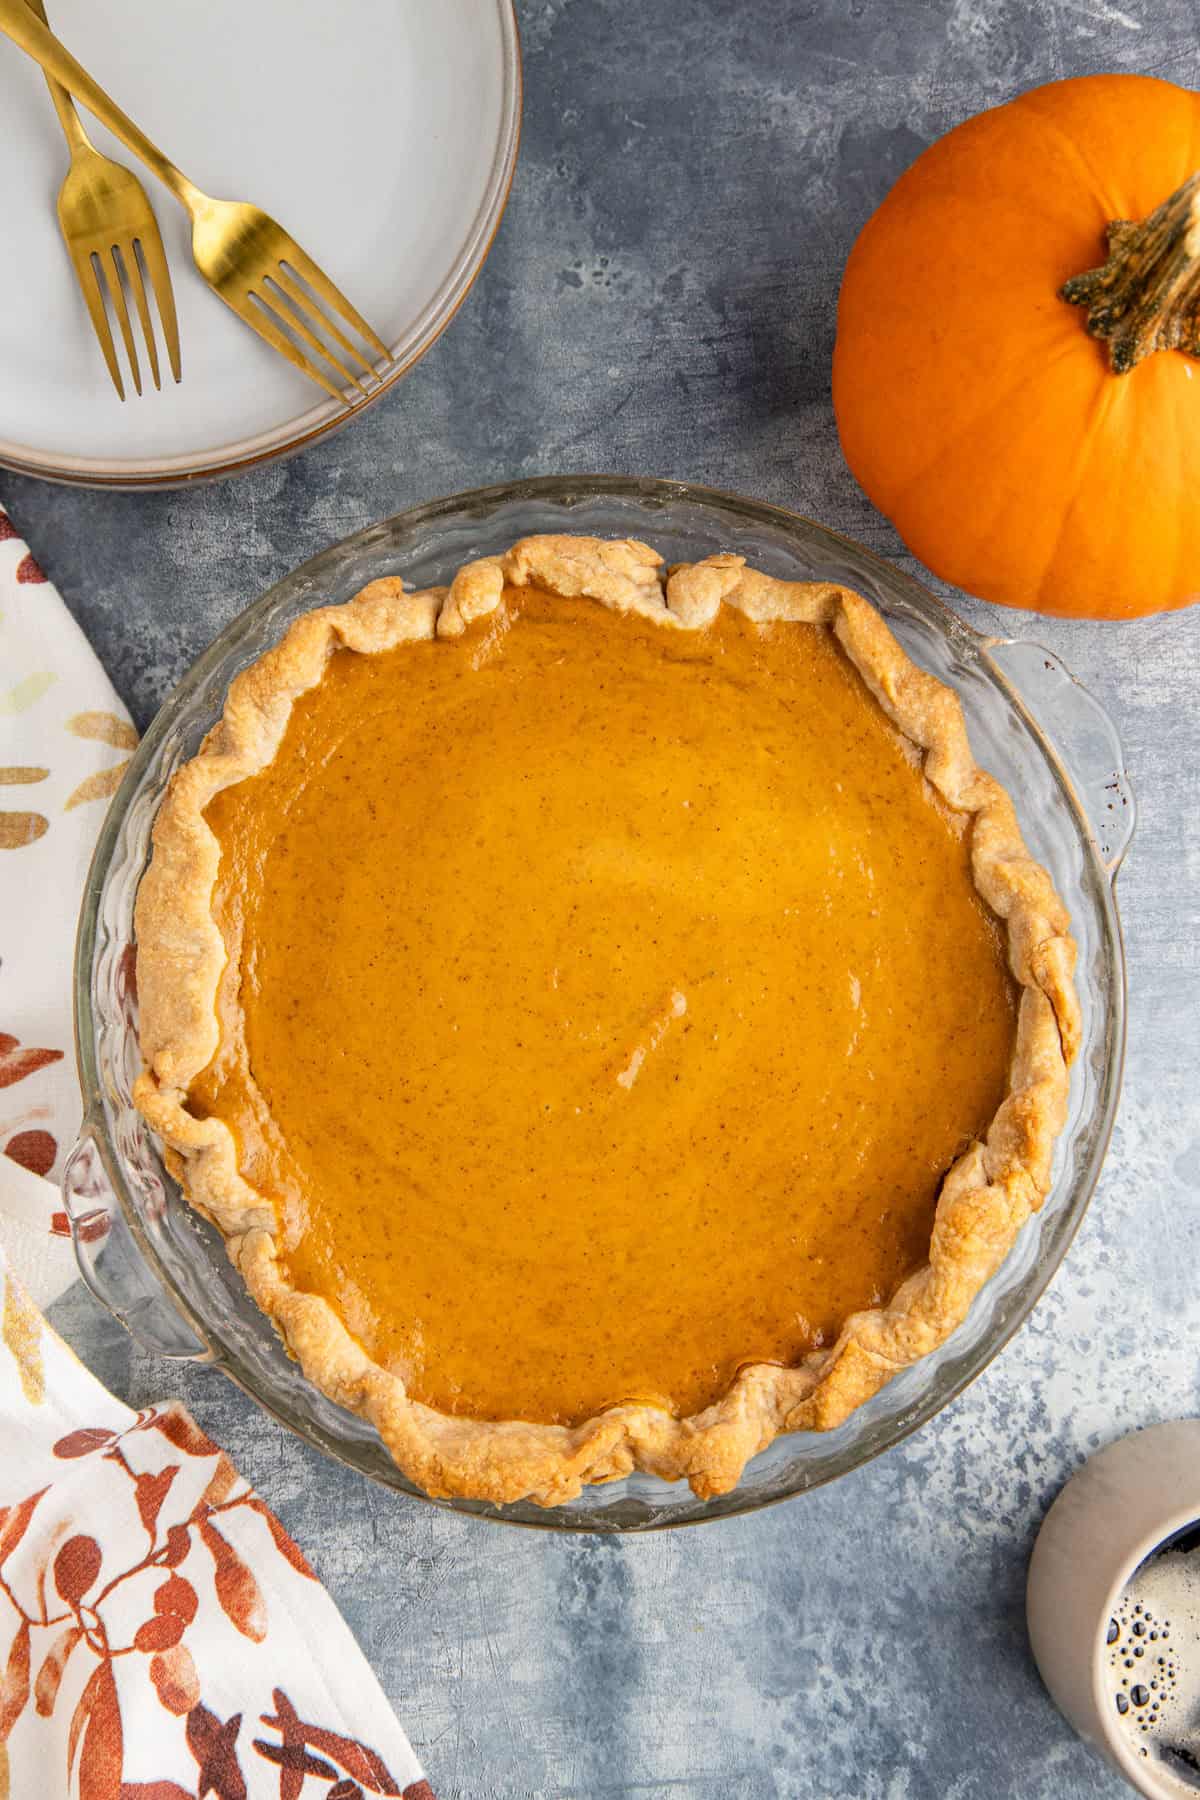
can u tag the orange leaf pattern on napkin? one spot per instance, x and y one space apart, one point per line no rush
151 1617
65 743
108 729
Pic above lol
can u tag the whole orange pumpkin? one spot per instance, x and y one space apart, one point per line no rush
1035 446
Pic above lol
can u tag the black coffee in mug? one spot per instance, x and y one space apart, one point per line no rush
1154 1658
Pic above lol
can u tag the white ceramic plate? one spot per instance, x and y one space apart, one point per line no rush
381 135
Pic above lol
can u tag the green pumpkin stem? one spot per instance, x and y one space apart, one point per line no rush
1147 295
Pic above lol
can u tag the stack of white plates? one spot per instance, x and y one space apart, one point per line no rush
382 135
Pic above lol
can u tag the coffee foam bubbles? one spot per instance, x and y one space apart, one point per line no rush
1154 1659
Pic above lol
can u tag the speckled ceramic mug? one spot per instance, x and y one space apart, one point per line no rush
1122 1506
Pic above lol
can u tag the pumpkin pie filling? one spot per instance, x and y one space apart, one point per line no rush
577 1014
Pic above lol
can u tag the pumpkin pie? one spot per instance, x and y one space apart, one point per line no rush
607 1012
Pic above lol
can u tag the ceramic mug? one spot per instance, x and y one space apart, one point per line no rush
1121 1507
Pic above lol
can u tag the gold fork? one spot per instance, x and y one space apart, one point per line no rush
250 261
110 231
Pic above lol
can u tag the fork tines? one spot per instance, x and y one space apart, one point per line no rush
293 308
104 272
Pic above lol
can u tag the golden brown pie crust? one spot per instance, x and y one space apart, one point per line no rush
986 1196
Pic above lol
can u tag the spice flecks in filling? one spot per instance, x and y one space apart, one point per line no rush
605 1004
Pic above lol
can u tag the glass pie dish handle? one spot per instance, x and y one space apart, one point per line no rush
113 1266
1083 735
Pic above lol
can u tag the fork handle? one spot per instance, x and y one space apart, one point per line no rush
38 41
64 106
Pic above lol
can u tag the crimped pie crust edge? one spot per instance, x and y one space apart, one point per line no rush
986 1196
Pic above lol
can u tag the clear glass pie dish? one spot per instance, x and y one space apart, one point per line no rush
164 1273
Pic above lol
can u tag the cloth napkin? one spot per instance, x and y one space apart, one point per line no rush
64 741
161 1635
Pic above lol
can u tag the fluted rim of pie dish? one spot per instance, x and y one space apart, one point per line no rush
564 492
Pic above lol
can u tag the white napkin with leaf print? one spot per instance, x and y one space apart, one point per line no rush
64 741
161 1636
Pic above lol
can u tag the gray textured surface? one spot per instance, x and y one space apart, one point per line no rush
661 301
